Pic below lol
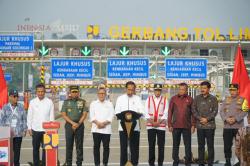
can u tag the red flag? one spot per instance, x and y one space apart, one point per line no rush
246 93
3 89
240 75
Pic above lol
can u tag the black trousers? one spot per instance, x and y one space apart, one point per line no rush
203 136
152 134
17 141
186 135
71 137
37 142
105 139
228 135
134 147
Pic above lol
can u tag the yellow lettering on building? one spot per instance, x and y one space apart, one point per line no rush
208 34
182 33
148 33
136 32
159 35
240 33
96 30
231 35
218 36
125 32
247 34
170 34
114 32
197 33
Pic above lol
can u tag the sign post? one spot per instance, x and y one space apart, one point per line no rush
44 50
16 43
165 51
72 69
124 51
186 68
128 68
86 50
8 77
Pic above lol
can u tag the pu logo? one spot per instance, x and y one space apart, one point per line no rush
93 32
51 141
3 154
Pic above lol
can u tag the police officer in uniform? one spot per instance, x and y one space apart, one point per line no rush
233 110
74 111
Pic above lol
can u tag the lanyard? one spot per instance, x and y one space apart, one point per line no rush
156 110
13 110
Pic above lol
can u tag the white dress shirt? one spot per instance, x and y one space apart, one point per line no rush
39 111
101 111
133 103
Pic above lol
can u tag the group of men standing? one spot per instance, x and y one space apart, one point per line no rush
181 115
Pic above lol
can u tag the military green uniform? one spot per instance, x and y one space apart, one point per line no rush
74 109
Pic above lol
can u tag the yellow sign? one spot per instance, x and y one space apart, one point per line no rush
93 31
181 33
50 141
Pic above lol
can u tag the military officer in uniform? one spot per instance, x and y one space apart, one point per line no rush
74 112
233 110
242 144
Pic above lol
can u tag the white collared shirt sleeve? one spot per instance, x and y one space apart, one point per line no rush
146 115
92 112
140 108
30 115
165 115
118 105
111 112
52 113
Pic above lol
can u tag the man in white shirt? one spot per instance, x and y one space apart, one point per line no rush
156 111
129 101
101 115
41 109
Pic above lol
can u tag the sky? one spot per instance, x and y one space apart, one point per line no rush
222 14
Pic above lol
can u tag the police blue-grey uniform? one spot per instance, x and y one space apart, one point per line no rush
233 110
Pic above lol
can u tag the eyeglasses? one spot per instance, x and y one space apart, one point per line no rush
101 93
